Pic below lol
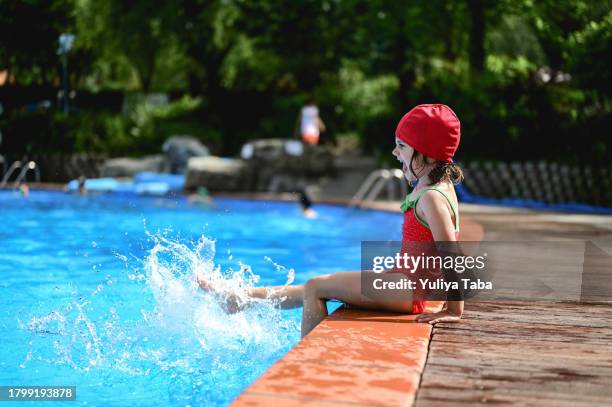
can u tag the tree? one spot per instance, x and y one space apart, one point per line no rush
133 31
29 32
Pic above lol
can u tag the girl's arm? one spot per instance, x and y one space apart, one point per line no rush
439 218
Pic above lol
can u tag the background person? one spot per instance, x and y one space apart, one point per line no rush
306 204
24 189
311 124
82 190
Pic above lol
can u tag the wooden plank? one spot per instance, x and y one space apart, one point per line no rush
453 397
551 372
518 373
516 353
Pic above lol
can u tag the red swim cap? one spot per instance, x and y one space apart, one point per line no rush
433 130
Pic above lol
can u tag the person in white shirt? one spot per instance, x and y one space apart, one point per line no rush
311 124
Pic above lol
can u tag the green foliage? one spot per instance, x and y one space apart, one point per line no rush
148 125
514 38
141 132
121 32
29 32
592 51
364 97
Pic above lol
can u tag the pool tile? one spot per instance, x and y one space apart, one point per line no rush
338 384
392 352
249 399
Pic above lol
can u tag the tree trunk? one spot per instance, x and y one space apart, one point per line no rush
477 35
406 78
405 72
146 71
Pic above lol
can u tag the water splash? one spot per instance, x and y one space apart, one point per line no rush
181 305
152 317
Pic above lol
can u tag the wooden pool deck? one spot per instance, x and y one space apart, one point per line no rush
521 354
502 353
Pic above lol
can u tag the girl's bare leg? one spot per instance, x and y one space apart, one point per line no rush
313 296
345 287
289 296
292 295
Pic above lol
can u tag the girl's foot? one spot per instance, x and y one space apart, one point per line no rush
204 284
231 302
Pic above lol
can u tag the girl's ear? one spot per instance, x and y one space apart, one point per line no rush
417 159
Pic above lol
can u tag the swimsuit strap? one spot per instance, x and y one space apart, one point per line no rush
412 203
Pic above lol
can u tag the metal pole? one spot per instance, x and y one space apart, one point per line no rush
65 44
65 107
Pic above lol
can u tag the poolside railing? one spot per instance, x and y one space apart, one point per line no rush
543 182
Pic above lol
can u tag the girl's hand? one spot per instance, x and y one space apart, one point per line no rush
441 316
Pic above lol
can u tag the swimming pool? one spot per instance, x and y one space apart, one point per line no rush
98 291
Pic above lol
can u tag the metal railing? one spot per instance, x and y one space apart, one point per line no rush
30 166
374 184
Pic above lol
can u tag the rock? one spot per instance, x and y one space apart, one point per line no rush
179 149
269 158
271 149
128 167
351 170
64 167
319 160
216 174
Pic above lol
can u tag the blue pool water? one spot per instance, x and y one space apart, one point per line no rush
98 292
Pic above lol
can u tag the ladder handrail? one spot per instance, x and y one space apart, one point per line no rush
375 182
365 185
24 171
3 161
14 166
378 186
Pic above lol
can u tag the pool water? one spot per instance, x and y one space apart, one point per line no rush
99 291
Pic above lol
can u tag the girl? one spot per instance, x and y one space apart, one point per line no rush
426 139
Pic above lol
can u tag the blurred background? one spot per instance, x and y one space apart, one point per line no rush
83 81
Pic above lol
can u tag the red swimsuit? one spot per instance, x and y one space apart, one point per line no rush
414 229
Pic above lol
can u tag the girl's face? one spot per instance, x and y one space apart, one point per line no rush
404 153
